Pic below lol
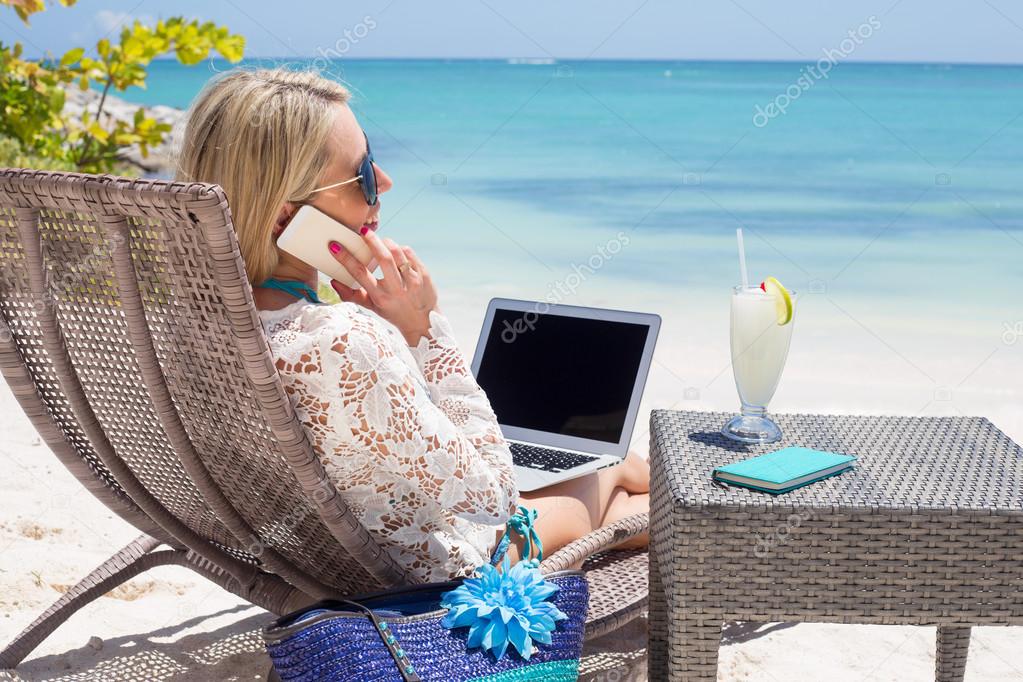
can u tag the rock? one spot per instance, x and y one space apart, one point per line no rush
161 158
95 643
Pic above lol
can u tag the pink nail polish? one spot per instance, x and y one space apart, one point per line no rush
334 247
363 230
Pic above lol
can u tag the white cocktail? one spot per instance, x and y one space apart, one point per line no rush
761 332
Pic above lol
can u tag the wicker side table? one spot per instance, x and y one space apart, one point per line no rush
926 530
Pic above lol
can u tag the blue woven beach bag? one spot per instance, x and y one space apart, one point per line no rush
503 623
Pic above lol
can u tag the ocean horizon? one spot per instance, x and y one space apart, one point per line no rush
580 60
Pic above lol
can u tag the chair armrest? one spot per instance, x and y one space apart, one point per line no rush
597 541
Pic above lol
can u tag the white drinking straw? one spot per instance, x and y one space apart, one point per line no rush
742 259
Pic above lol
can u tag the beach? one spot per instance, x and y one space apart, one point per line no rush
902 241
169 624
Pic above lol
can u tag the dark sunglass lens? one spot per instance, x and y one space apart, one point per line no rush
369 181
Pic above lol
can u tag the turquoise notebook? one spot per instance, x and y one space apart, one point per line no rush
784 470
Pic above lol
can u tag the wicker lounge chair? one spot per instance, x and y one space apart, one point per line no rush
129 337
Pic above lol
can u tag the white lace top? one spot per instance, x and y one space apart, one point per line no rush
405 433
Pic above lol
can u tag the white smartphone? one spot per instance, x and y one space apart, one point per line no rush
307 237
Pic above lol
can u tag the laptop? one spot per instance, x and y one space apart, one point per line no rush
565 383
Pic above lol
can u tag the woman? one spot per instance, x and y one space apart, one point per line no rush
387 398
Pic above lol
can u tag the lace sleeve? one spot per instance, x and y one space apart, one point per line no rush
452 386
451 453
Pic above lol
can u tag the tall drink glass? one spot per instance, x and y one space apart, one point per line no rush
759 348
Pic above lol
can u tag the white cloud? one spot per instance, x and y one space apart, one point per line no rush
109 21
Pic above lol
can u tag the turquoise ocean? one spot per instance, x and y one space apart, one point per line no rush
895 181
888 195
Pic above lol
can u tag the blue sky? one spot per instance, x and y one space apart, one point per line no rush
907 30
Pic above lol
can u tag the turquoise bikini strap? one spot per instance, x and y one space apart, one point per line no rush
522 522
296 289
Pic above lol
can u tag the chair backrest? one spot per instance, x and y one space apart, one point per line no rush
129 336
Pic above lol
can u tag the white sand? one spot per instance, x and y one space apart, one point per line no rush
170 624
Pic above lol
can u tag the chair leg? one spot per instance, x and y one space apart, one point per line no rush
950 654
266 590
657 642
126 564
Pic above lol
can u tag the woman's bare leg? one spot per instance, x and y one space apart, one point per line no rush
571 509
635 473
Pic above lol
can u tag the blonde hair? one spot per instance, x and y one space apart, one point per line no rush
262 135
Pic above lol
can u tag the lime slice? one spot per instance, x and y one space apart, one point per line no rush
782 299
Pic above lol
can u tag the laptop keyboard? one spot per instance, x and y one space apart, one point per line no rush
546 459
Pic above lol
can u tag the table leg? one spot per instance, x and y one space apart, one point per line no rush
683 637
950 654
693 648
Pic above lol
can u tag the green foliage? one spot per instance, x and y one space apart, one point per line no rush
326 293
32 92
12 156
26 8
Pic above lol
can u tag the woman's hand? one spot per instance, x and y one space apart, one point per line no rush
404 296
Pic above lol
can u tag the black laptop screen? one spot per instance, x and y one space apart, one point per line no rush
560 374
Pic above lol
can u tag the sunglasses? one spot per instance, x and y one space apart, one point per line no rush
367 177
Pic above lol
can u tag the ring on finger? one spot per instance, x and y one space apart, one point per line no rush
404 266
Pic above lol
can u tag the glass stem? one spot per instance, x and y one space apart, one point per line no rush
752 410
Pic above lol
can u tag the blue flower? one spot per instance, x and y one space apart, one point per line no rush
504 606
